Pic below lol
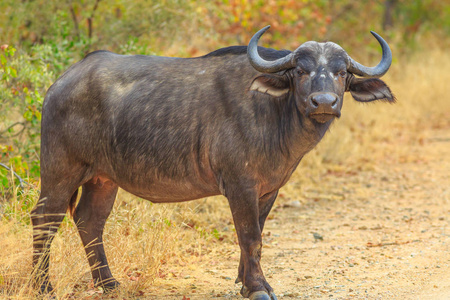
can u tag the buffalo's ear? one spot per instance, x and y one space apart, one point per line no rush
274 85
366 90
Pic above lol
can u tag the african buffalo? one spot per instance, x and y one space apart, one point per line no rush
234 122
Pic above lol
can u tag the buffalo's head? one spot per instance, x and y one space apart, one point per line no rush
317 75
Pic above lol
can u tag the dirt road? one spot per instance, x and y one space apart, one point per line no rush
378 234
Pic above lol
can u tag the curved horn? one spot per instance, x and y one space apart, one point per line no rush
262 65
380 69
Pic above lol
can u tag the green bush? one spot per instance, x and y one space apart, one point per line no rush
25 79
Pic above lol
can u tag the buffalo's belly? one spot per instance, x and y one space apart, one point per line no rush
168 190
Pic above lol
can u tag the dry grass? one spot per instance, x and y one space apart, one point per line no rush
146 243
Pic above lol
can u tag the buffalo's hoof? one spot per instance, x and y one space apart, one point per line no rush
259 295
109 285
44 288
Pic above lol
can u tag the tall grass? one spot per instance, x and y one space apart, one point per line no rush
145 241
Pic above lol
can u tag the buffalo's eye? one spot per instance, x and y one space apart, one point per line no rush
301 72
342 73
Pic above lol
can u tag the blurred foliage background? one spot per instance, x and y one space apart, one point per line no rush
40 39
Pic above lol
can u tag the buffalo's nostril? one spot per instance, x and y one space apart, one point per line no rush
314 102
334 102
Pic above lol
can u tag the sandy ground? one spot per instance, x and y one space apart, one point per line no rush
379 234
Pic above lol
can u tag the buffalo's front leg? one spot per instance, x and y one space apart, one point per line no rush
244 204
264 206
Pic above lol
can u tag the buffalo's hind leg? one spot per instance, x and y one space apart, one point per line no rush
93 209
56 191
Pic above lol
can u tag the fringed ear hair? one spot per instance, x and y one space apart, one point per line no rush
371 89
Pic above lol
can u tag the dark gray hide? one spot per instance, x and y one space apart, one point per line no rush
172 129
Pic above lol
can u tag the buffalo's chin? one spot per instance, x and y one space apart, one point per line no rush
322 118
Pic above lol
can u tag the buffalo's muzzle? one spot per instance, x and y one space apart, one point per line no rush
323 107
